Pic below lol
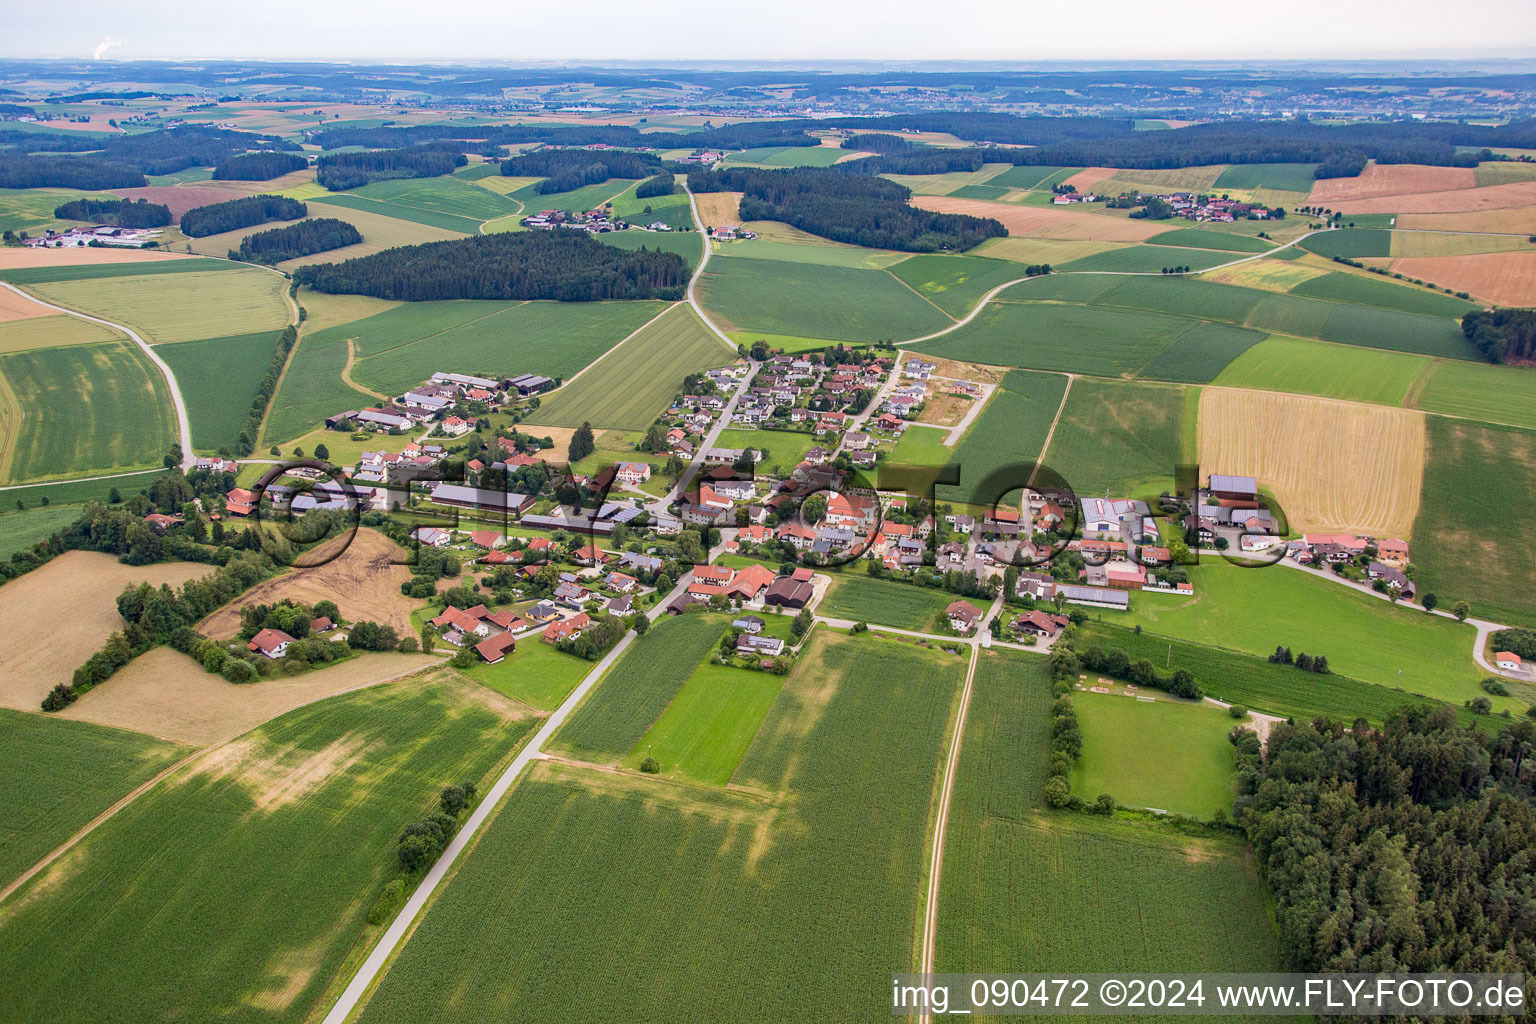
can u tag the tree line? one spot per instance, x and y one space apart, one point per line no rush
1501 334
252 426
307 236
123 213
260 166
566 170
353 170
569 266
158 152
856 209
245 212
746 135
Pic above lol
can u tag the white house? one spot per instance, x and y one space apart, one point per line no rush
1507 661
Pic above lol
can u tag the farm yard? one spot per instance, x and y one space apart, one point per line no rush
170 894
1332 465
1163 754
696 860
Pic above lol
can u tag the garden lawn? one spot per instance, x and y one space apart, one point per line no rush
1256 610
921 446
784 448
1161 754
902 605
536 674
710 723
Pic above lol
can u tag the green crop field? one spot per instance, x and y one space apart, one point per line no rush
440 195
1397 331
235 889
409 214
639 687
608 863
1151 259
1025 176
687 244
1468 542
1479 391
1255 610
921 446
1161 754
1253 681
783 448
1182 296
890 604
1048 336
820 253
1071 892
956 283
180 307
20 530
1204 238
1332 371
59 775
149 267
1201 354
79 492
88 408
1352 242
787 156
1364 291
31 209
710 723
1010 431
1281 177
218 378
628 389
588 197
840 303
536 674
1118 437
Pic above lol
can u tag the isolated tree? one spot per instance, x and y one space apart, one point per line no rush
1430 601
1461 611
453 800
641 625
322 453
582 443
649 766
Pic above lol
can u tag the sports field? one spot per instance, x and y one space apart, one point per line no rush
59 775
1161 754
203 898
87 408
180 307
604 862
1466 544
1072 892
1332 371
902 605
632 386
710 723
1256 610
840 303
1118 437
218 378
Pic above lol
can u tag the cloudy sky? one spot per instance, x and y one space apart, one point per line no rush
1020 30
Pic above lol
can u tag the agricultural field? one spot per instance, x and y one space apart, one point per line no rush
1503 172
1167 755
1365 291
20 530
921 446
1054 251
87 408
1045 221
51 331
1352 242
1278 177
1204 238
1332 465
588 197
1378 180
955 283
1364 637
1445 243
604 860
1010 432
1151 259
687 244
180 306
1466 545
1331 371
1271 275
31 209
1200 354
199 900
536 674
904 606
817 251
639 688
218 378
1157 181
1071 892
787 156
1506 279
443 195
1099 340
1479 391
28 266
840 303
782 448
709 725
76 492
1118 437
379 232
59 776
624 389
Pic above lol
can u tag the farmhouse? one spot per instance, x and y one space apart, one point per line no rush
1038 585
271 643
788 592
480 498
963 617
565 629
750 644
495 648
1234 491
1041 624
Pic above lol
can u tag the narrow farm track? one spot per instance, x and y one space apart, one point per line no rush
1046 447
698 272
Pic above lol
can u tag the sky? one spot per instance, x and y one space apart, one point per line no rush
1017 30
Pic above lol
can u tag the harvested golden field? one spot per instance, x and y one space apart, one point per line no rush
165 693
1085 179
16 306
1461 200
1519 221
77 256
50 331
717 208
1503 278
1390 180
181 198
1447 243
1040 250
168 308
322 310
1271 275
1333 465
1045 222
362 579
60 614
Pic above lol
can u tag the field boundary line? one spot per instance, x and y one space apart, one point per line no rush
1416 389
942 311
1049 434
628 337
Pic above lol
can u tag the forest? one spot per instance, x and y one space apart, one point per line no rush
1409 848
294 240
852 208
880 142
122 213
354 170
79 172
157 152
747 135
663 184
566 170
1501 334
245 212
569 266
261 166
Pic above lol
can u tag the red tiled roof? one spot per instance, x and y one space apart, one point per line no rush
495 648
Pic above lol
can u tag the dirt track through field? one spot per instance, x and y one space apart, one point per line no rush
1334 466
